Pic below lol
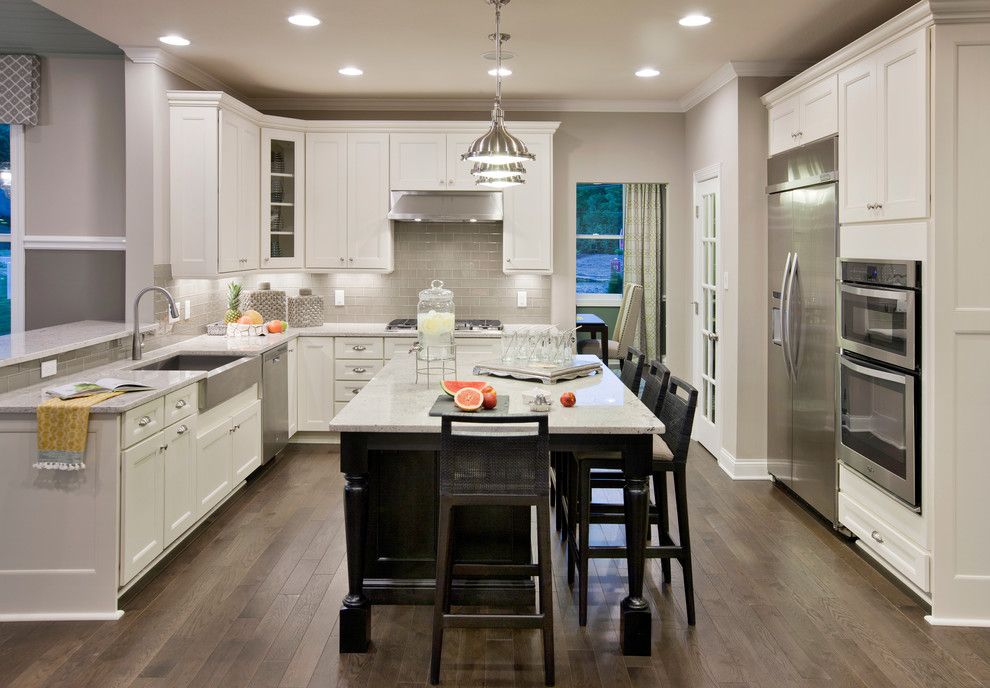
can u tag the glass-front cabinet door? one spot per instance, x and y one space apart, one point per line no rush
282 198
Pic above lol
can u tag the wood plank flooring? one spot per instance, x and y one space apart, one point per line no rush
252 601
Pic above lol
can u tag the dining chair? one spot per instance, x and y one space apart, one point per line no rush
630 313
481 464
631 372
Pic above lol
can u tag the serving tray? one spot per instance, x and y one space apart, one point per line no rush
444 406
545 374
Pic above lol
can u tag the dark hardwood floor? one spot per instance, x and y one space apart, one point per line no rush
253 599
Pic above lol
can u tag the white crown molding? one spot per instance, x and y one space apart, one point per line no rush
74 243
960 11
736 69
176 65
329 104
909 20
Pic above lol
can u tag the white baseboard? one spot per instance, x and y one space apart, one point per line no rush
74 616
742 469
971 623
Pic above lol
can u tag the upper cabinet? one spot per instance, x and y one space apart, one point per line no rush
283 208
431 161
806 116
214 175
883 133
527 225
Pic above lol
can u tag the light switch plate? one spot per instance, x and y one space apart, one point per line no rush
338 297
49 368
521 299
188 310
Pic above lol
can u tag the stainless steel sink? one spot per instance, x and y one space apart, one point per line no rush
226 374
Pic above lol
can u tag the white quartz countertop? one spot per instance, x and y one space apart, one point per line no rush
394 402
58 339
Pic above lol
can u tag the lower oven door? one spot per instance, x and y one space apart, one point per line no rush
878 426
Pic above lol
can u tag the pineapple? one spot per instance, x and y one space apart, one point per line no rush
233 303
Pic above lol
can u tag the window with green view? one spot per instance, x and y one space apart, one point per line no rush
6 179
599 238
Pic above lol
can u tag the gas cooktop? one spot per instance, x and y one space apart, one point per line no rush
471 324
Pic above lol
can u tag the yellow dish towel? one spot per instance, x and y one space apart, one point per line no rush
62 429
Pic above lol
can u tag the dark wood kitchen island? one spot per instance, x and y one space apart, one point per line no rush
387 454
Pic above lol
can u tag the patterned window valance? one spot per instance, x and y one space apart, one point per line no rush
20 89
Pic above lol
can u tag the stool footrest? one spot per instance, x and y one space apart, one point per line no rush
496 570
492 620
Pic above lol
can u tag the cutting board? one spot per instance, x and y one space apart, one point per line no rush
444 406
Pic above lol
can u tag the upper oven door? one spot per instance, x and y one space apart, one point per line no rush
878 323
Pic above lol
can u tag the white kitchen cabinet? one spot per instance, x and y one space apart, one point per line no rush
179 490
883 134
527 225
293 385
283 198
315 384
238 216
369 232
141 517
783 125
807 116
418 161
459 177
245 455
326 206
213 474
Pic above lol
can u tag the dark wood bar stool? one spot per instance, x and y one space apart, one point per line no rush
675 408
631 369
505 466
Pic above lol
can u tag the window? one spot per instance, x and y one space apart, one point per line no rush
600 244
11 251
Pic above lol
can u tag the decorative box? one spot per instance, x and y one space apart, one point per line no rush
305 310
269 302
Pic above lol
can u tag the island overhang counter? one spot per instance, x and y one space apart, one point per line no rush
388 443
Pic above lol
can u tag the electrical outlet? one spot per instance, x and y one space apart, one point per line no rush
49 368
521 299
338 297
188 310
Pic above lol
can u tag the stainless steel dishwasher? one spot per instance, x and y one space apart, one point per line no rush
274 401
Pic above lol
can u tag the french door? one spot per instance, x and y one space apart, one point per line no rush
707 312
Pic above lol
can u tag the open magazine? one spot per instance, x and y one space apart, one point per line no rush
75 390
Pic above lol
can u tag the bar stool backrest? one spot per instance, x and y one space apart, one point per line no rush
655 380
677 415
632 369
478 458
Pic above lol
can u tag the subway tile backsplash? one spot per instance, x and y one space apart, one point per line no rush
467 257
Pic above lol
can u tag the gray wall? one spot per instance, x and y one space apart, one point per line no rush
68 286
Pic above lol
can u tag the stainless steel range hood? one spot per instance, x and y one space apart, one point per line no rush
446 206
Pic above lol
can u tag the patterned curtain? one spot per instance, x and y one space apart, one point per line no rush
643 213
20 89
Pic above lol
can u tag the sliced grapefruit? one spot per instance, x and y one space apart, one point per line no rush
469 399
452 387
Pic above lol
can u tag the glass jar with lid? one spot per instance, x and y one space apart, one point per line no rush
435 322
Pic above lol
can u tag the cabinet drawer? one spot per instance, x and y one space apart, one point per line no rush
181 403
355 370
484 346
141 422
345 391
358 347
397 346
881 538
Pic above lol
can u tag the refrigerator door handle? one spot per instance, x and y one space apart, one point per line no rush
792 353
785 318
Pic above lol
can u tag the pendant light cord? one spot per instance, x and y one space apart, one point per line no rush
498 54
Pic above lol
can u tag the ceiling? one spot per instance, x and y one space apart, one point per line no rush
26 27
565 49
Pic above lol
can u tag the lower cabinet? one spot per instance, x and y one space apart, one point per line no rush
245 453
179 503
142 495
213 464
314 384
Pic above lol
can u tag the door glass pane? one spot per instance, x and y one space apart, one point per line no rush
283 198
6 183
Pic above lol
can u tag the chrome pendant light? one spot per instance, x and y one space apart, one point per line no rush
500 183
497 146
482 169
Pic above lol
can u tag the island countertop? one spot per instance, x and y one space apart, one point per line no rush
394 403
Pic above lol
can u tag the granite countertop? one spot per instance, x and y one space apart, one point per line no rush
51 341
394 402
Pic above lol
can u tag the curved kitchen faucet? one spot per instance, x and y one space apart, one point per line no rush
138 341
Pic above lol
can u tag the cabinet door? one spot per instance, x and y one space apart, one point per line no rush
783 122
283 208
293 398
246 446
193 169
142 528
213 482
818 110
315 383
418 162
326 200
902 80
858 163
180 478
527 225
459 175
238 203
369 232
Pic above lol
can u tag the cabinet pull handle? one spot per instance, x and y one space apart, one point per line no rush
351 259
870 206
145 420
162 448
879 206
355 390
181 430
360 370
359 347
451 182
877 536
508 260
341 259
181 403
441 182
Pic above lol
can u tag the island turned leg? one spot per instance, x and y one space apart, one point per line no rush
635 618
355 612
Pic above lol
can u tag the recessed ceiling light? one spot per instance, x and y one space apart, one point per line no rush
694 20
350 71
647 72
304 20
505 71
173 39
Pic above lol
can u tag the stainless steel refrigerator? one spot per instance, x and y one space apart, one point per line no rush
802 200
